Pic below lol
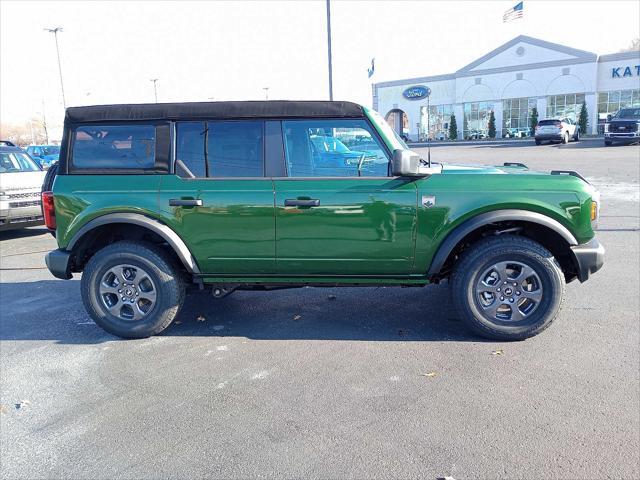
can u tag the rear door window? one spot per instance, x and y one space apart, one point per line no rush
190 145
235 149
114 147
220 149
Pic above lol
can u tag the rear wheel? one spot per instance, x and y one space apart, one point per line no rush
565 137
538 142
607 143
132 289
508 288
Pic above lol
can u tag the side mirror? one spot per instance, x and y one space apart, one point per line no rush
405 163
609 117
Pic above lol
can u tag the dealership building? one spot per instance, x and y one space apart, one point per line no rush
512 79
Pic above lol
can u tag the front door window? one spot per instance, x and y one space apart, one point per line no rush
333 148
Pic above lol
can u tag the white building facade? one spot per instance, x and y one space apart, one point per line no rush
509 81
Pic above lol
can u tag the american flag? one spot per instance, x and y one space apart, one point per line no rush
513 13
371 71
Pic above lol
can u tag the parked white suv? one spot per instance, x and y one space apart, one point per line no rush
20 186
557 130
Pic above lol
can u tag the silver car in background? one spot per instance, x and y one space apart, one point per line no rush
20 187
557 130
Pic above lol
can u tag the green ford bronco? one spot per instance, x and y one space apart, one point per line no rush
148 200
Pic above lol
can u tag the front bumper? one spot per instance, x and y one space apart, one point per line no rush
589 258
622 136
20 214
21 222
59 263
548 136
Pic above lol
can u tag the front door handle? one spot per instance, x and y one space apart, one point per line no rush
294 202
184 202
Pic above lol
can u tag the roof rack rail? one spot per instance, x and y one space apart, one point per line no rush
569 172
515 164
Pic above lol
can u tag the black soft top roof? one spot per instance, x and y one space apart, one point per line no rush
212 110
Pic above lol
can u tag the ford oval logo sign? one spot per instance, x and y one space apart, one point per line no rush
416 93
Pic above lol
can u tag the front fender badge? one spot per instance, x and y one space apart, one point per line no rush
428 201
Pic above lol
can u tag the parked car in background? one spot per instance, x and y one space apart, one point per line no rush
45 155
146 208
517 132
557 130
20 183
329 152
624 126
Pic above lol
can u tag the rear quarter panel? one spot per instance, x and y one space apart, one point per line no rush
81 198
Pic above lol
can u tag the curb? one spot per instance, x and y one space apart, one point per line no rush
489 142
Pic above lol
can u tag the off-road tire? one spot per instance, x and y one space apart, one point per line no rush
158 265
480 256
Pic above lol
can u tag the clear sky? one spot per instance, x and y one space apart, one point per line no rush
231 50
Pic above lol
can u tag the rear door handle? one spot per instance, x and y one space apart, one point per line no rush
294 202
183 202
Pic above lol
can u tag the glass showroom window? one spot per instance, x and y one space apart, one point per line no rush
399 121
565 106
439 118
476 119
610 102
516 117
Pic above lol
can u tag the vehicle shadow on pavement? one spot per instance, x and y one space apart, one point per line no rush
22 233
596 143
54 311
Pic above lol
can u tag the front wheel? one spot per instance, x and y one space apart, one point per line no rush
132 289
508 288
576 136
538 142
607 143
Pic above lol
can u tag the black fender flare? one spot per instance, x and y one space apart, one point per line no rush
151 224
468 226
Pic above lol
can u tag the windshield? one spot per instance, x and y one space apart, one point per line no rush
629 113
387 130
12 162
51 150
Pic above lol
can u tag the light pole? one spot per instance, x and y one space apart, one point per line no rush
155 90
428 127
44 124
329 49
266 93
55 35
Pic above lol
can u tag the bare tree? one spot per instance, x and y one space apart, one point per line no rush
30 132
633 46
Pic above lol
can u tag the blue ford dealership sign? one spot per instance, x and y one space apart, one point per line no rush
619 72
417 92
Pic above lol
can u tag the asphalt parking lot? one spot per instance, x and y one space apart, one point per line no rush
329 383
